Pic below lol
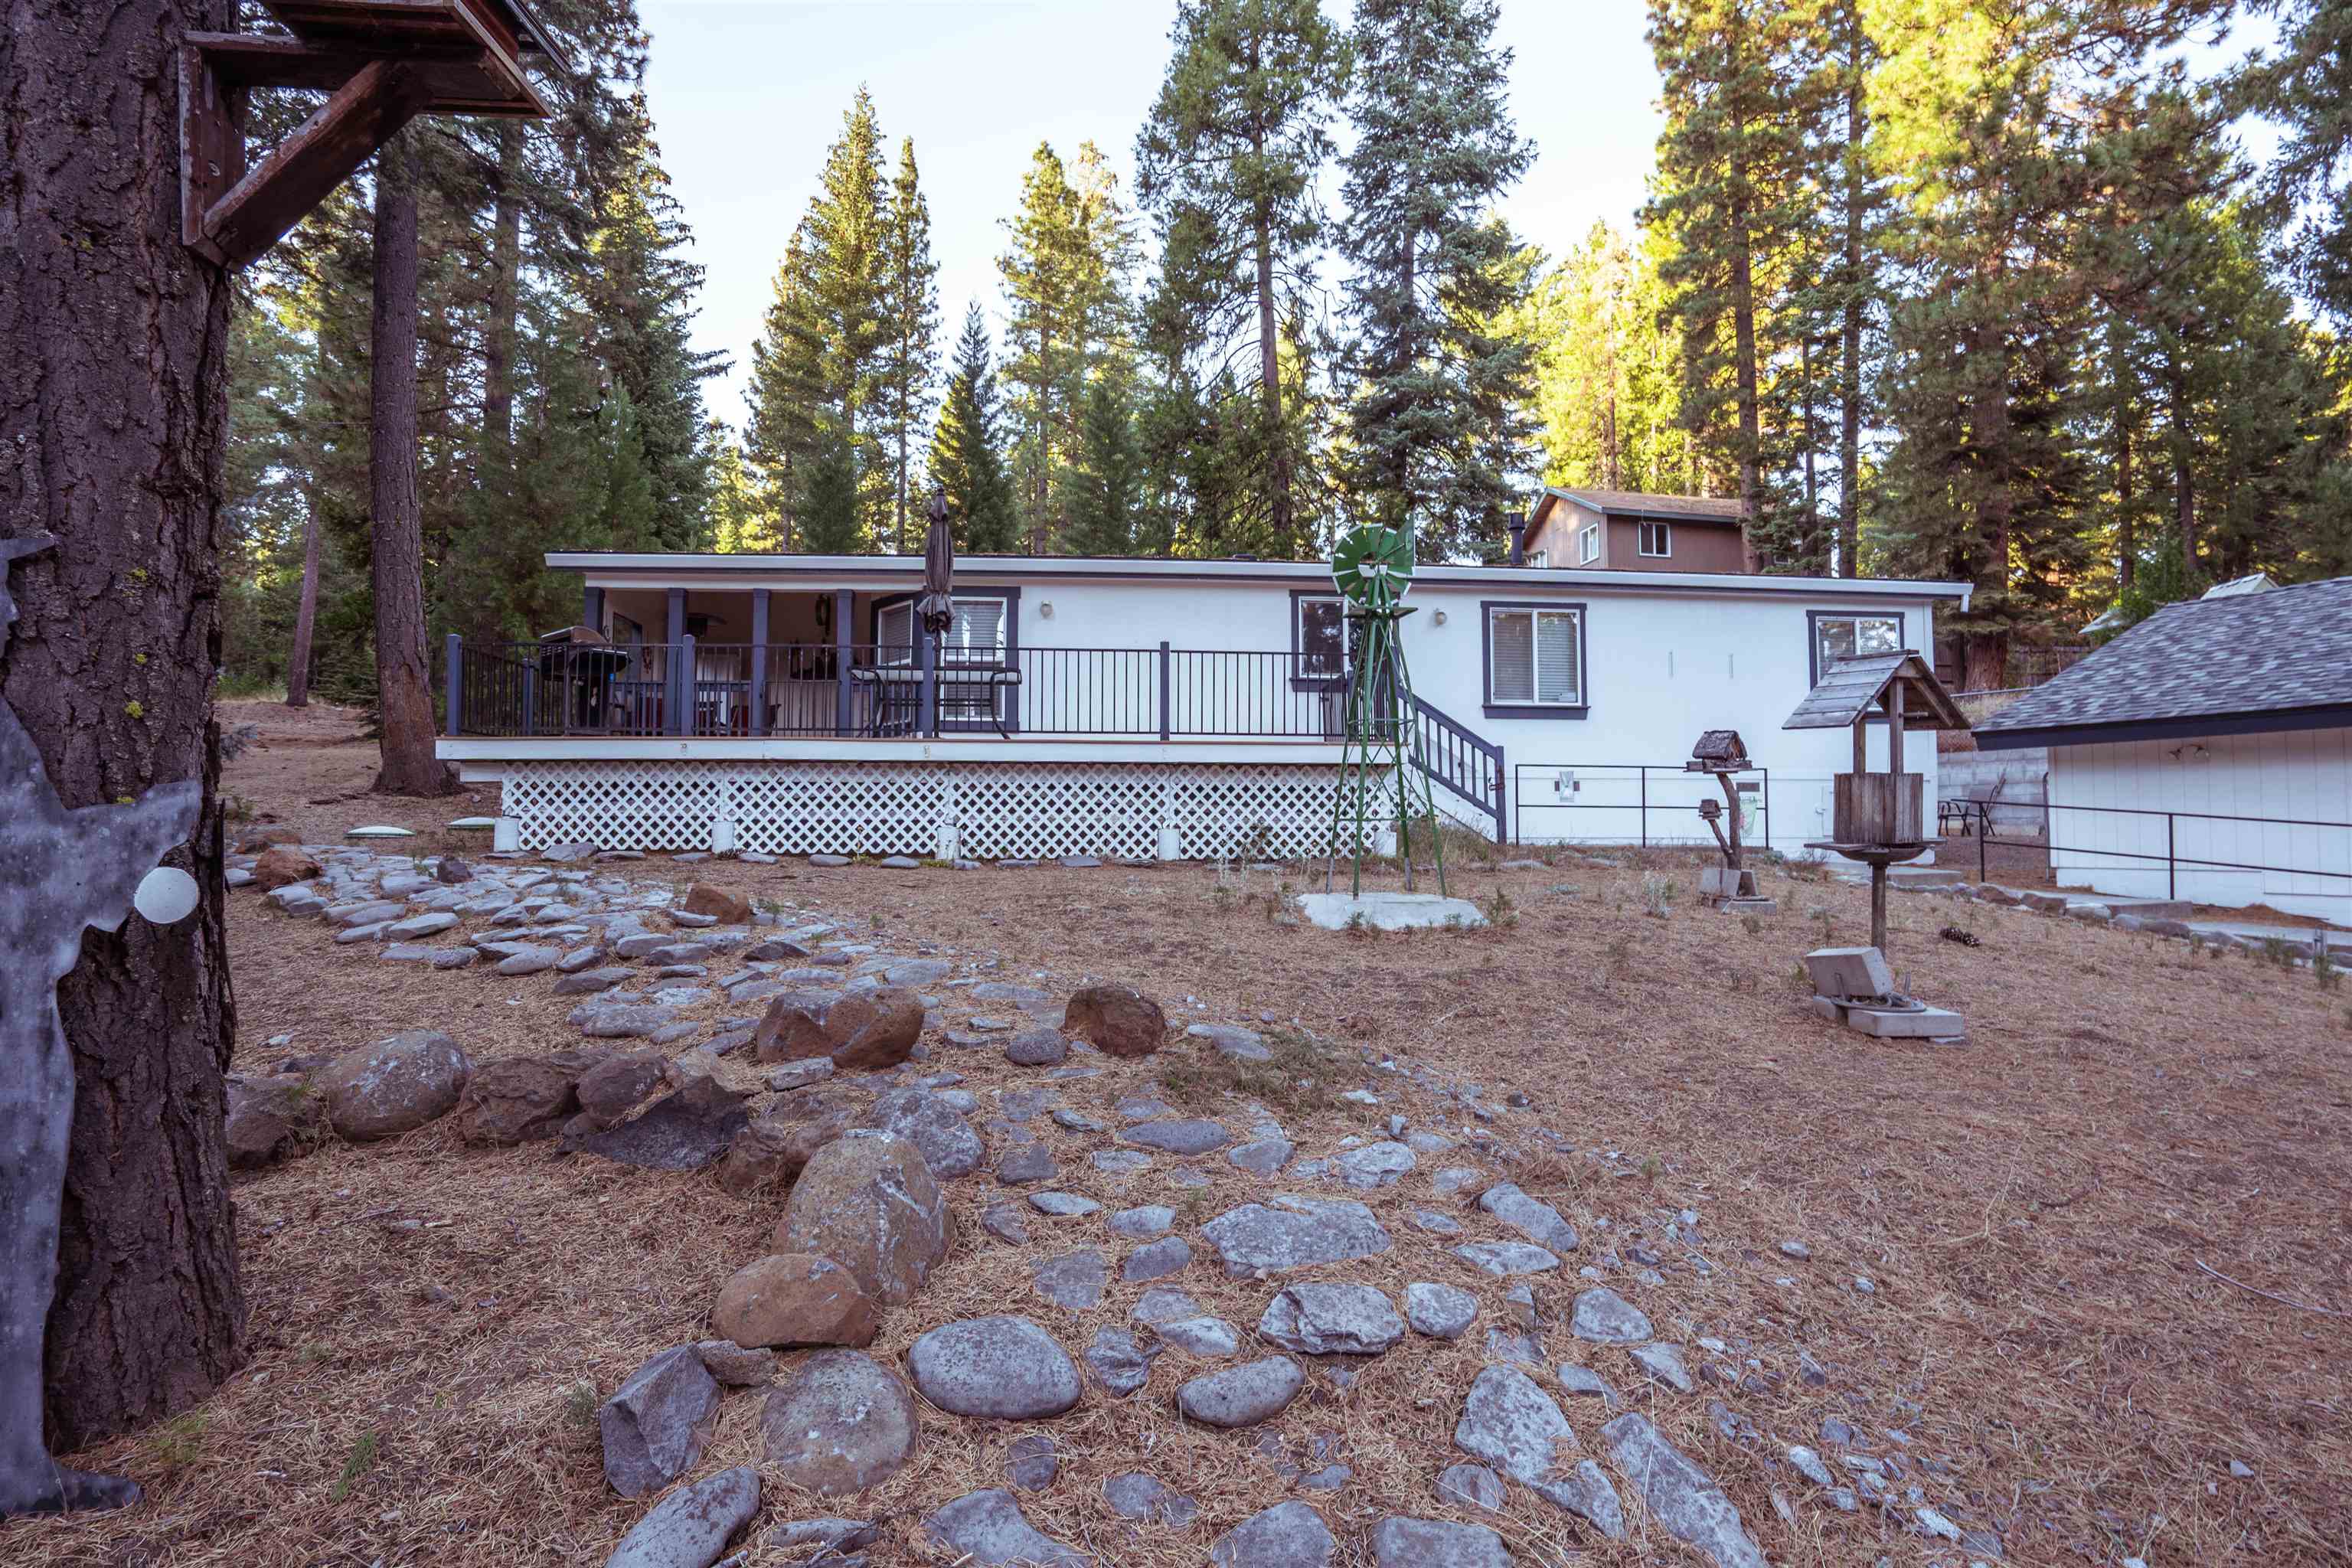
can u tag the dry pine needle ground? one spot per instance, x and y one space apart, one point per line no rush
432 1326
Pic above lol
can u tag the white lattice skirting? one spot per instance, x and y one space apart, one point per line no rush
980 810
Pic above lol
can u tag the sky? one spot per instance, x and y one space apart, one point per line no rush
747 95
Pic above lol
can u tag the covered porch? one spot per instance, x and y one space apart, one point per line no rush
850 664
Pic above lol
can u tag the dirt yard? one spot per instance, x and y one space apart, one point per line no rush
2041 1213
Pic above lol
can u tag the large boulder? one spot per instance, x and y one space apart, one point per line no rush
951 1148
653 1427
522 1100
394 1086
861 1030
683 1132
1004 1368
616 1085
727 908
1120 1019
281 867
689 1528
266 1117
768 1154
869 1202
793 1298
842 1423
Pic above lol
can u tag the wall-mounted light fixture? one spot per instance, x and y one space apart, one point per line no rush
1046 609
1437 618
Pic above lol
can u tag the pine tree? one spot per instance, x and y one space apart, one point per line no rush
967 460
740 521
1071 249
1106 493
1228 163
2305 86
832 518
1726 192
1607 375
910 346
1439 418
787 396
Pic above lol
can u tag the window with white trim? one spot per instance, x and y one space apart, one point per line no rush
1851 637
1321 638
893 633
976 634
1656 538
1535 656
1587 544
1538 557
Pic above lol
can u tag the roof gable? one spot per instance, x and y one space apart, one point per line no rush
1849 691
1635 504
2248 663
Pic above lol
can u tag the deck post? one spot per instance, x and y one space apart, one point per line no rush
844 649
531 698
1166 687
759 661
453 685
927 662
685 690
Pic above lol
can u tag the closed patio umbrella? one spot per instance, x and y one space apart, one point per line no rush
936 608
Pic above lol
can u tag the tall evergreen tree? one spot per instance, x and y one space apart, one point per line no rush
1107 481
787 396
832 519
1065 272
1439 418
911 345
967 458
1726 178
1228 163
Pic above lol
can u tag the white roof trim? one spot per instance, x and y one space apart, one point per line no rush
659 569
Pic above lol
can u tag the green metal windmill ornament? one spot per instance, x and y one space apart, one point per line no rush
1380 767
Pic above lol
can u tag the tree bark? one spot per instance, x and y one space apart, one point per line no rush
2184 480
1743 332
113 418
1986 665
404 688
306 613
1857 130
2127 529
506 275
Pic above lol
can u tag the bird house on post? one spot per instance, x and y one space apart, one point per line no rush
1732 885
381 62
1878 817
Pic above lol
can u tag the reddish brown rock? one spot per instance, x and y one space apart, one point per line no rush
257 839
268 1118
1120 1019
522 1100
613 1088
281 865
793 1298
771 1153
731 908
861 1031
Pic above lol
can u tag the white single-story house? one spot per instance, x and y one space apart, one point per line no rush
1149 708
2205 754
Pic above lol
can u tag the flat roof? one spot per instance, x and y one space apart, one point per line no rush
893 568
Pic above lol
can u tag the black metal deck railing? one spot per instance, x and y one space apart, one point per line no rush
863 689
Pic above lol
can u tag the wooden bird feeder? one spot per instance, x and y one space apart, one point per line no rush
1878 818
381 62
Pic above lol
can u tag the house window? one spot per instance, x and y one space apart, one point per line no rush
1535 656
1321 638
1538 557
1849 636
1657 539
893 633
1587 544
976 634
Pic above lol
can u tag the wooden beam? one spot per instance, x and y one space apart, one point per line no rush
212 142
297 174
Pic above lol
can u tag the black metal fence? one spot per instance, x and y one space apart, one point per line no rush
1631 792
698 688
2149 839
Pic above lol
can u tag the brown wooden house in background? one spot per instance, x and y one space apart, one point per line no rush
1625 531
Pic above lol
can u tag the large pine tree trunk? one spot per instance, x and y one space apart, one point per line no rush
404 688
1269 375
2127 529
112 414
306 613
1987 659
1857 128
2184 480
1743 332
